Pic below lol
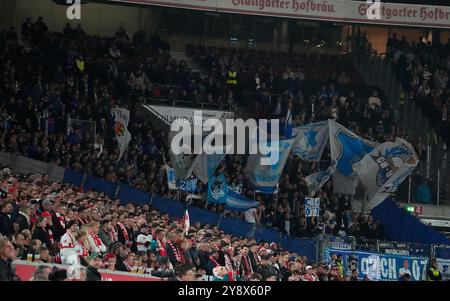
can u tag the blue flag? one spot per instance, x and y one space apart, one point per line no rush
217 189
311 141
238 202
265 177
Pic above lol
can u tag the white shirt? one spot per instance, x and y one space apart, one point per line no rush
67 247
250 215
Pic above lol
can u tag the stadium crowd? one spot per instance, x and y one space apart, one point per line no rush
69 79
48 222
422 67
48 76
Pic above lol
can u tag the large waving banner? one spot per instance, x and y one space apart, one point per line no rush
382 170
381 267
123 136
265 177
346 149
311 141
327 10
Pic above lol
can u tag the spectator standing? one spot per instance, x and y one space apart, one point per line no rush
95 263
433 273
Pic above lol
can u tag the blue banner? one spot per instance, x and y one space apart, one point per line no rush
130 195
101 185
73 177
381 267
217 189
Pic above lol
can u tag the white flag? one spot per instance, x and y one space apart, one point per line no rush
187 222
346 148
123 136
382 170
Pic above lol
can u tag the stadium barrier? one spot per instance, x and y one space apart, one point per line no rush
25 270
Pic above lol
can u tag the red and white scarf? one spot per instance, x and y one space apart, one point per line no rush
161 247
124 232
97 240
61 220
84 251
228 262
113 234
175 251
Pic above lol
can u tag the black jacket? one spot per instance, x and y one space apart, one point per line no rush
6 225
92 274
7 272
42 235
264 271
22 222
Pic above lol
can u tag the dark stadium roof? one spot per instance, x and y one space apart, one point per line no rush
423 2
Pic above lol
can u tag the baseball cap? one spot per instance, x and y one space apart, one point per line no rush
308 267
95 256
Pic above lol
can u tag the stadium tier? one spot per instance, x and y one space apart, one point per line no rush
333 138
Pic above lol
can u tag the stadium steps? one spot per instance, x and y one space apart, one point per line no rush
182 56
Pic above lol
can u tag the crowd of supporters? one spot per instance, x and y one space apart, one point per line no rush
47 76
422 67
47 222
76 75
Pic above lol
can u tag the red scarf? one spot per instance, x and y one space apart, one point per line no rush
216 264
97 240
82 221
113 235
248 266
61 220
175 251
230 276
125 233
85 251
162 248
